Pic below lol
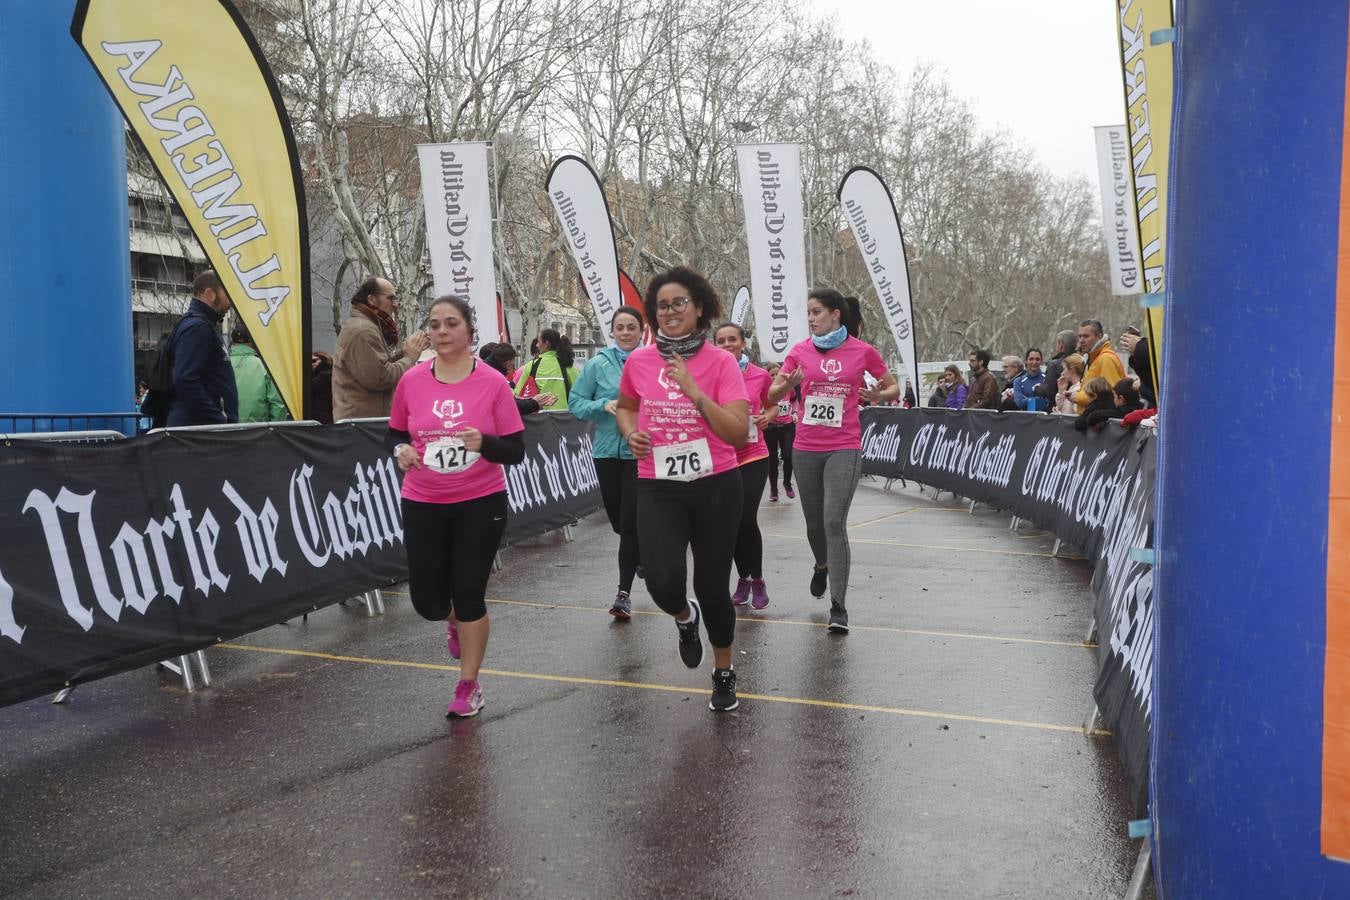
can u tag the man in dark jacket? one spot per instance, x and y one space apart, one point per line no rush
1065 344
203 381
1138 350
984 388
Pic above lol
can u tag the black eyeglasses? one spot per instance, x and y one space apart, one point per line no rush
679 304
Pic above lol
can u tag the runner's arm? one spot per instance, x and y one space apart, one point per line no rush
507 449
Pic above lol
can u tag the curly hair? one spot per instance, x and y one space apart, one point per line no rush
701 292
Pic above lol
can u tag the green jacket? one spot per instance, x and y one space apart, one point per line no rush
598 384
259 399
549 379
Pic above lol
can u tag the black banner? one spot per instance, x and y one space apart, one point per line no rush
1123 586
117 555
1031 464
1093 490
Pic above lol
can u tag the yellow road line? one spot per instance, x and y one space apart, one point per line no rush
794 537
741 617
893 515
668 688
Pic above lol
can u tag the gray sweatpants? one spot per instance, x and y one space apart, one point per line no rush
825 483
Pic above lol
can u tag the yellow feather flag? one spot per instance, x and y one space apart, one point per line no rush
193 85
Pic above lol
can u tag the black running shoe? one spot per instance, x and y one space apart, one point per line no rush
838 619
724 691
819 578
691 645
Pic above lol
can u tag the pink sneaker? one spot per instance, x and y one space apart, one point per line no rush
759 595
452 641
468 700
742 594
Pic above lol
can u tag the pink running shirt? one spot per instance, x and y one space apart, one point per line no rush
830 385
757 383
431 410
669 416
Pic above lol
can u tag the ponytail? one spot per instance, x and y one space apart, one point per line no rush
854 323
559 345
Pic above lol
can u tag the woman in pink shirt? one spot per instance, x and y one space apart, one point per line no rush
753 460
826 454
683 412
453 424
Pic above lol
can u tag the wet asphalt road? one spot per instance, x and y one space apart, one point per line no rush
930 753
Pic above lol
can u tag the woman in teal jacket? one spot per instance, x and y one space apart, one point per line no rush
551 371
594 397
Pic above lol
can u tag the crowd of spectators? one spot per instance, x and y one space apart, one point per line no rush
1085 378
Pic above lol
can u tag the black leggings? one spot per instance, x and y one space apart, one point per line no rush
701 516
779 438
618 489
749 543
450 551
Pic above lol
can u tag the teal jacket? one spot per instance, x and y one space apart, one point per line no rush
259 399
549 379
598 384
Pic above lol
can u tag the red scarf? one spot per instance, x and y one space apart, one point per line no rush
388 327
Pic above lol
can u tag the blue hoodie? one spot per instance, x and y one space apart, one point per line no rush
599 384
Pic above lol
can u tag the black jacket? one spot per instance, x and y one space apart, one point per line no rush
1050 386
203 381
1096 414
1142 364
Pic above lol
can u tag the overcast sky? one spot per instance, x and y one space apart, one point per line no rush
1046 72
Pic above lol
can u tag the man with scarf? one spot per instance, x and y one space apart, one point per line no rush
1102 361
368 360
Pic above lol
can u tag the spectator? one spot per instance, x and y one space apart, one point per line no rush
1070 378
1102 361
910 399
203 383
939 396
321 387
1127 397
368 360
502 357
955 396
551 374
1012 370
1100 403
1137 348
1065 342
1026 387
259 399
984 390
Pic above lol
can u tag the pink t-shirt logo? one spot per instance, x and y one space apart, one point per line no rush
831 367
673 391
449 410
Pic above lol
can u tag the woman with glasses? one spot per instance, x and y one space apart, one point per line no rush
683 412
596 397
453 426
753 460
830 367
